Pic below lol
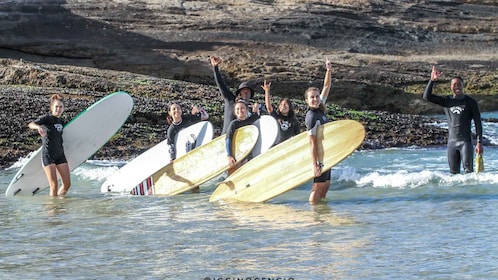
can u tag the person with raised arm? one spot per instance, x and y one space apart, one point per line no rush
285 116
316 116
244 92
460 110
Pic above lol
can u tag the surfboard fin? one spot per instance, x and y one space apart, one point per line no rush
17 178
35 191
479 163
191 143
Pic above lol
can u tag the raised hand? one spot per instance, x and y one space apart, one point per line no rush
215 61
435 74
328 64
266 86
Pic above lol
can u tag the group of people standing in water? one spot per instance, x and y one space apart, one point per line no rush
239 113
460 109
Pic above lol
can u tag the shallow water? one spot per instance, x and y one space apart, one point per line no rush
390 214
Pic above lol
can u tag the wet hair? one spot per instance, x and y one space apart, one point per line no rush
56 97
310 89
291 113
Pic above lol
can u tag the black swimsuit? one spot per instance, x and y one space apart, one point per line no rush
314 118
173 130
52 143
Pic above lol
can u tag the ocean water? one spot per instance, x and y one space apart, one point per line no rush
390 214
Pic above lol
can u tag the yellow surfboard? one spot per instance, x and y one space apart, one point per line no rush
203 163
288 165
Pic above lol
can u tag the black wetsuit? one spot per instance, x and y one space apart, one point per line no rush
288 127
228 97
229 100
236 123
315 118
52 143
173 130
460 112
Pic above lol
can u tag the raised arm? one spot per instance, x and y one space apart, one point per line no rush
435 74
327 82
225 92
266 88
197 110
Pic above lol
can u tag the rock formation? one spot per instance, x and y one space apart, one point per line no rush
382 52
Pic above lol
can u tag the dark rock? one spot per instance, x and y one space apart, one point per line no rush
382 52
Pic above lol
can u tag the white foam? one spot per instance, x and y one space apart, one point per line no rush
96 170
405 180
21 161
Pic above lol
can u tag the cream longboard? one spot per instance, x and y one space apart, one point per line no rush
134 175
288 165
202 164
82 137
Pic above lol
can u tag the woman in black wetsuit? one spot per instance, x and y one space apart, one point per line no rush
50 128
315 117
285 116
241 110
179 121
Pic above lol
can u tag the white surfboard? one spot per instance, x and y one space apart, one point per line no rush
82 137
138 171
268 133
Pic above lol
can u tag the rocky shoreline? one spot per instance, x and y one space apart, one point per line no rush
382 53
146 126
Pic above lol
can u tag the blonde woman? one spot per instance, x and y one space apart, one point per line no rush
50 128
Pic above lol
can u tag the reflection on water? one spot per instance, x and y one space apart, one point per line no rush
281 216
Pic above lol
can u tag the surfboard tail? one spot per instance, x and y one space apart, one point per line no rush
146 187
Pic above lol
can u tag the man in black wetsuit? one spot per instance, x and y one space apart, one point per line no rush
460 110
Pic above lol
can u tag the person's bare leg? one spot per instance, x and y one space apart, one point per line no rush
50 172
325 189
319 191
64 172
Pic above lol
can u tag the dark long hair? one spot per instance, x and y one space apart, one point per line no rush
169 119
291 113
